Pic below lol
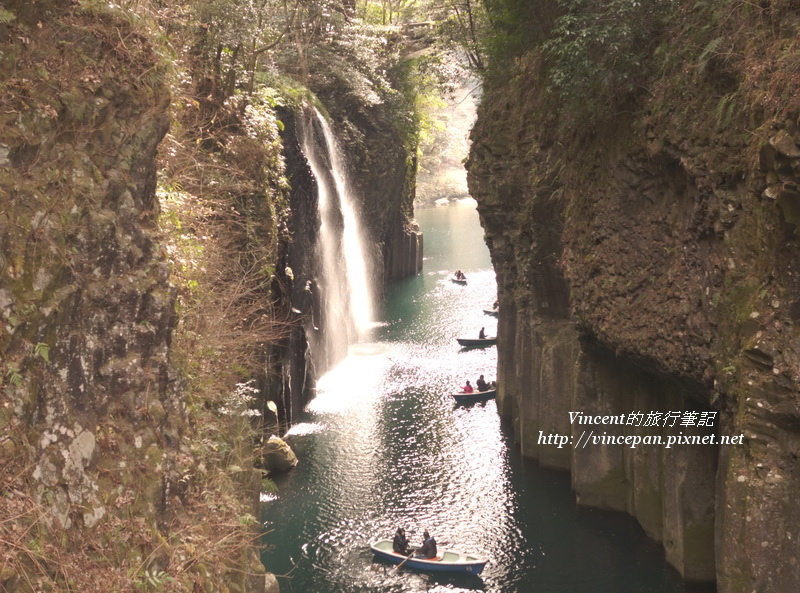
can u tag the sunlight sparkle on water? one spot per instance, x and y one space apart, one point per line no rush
304 428
354 381
396 450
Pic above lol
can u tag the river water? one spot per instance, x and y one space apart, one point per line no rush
383 445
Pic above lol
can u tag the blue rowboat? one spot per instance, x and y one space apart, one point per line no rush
475 396
476 342
458 280
492 312
445 561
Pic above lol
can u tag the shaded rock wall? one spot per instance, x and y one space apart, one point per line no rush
86 304
653 269
296 370
97 441
402 248
382 172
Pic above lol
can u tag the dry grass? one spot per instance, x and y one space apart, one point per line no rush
211 540
220 211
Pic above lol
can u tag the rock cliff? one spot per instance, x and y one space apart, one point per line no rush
139 318
107 481
86 303
648 262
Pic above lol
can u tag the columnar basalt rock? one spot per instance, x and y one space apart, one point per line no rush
382 172
94 417
85 297
654 269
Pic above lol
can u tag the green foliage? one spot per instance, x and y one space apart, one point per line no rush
462 28
492 35
247 520
708 52
6 16
726 108
516 27
599 52
232 23
284 91
259 119
43 350
267 485
232 38
351 60
13 376
184 247
388 12
153 580
439 147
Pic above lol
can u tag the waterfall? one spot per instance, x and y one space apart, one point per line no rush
344 278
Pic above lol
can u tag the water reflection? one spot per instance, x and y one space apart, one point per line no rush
422 581
384 445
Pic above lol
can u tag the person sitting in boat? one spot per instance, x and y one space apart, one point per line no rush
400 543
460 275
481 384
482 334
467 388
428 548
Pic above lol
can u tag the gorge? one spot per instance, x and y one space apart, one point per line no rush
163 302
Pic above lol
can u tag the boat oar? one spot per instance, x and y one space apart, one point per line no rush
403 562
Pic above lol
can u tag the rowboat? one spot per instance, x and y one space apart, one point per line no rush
445 561
492 312
477 342
476 396
458 280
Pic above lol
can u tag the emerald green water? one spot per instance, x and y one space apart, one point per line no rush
383 445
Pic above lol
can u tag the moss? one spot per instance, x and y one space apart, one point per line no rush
739 300
154 457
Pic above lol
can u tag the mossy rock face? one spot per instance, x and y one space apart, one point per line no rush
668 237
81 271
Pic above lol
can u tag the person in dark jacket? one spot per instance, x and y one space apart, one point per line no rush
400 543
428 548
481 384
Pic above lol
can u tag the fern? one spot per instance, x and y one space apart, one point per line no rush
43 350
6 16
707 53
725 110
13 376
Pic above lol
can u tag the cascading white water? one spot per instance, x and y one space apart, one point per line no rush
356 262
344 280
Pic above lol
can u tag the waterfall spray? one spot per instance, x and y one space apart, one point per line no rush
345 279
356 261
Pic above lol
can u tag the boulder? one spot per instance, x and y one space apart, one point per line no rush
277 456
